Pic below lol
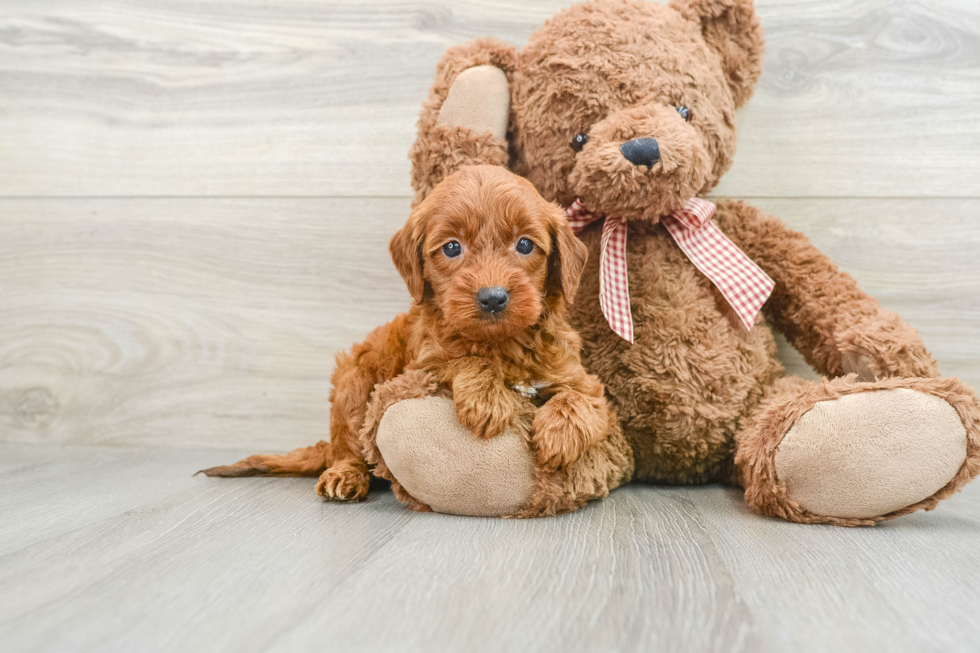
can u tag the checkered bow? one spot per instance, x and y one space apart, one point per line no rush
741 282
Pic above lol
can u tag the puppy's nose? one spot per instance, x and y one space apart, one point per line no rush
493 300
641 151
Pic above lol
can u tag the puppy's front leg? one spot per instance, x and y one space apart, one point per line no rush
574 419
484 404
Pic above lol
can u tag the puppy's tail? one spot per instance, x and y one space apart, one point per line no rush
307 461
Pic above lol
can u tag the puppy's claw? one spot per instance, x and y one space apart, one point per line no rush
343 483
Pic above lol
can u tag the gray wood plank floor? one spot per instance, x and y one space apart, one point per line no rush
111 549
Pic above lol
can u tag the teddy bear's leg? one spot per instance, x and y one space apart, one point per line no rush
409 385
412 437
464 120
443 465
853 453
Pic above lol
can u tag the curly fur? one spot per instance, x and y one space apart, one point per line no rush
695 388
446 344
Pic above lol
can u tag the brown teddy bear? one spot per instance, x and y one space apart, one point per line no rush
623 111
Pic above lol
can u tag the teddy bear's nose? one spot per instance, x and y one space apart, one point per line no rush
641 151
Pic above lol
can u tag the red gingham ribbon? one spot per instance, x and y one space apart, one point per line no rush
741 282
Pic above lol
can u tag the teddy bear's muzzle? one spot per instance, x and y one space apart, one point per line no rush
641 163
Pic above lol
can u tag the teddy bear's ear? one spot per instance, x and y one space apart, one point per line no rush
732 29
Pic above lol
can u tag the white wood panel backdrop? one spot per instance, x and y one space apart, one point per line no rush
319 97
195 196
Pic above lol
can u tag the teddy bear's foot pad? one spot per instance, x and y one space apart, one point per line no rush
868 454
442 464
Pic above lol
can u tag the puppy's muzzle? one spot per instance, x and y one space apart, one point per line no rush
492 300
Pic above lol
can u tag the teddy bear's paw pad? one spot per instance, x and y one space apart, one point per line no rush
442 464
343 483
479 99
871 453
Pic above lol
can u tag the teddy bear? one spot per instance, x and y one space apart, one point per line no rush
624 113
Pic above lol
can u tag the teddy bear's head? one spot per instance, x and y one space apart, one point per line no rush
630 105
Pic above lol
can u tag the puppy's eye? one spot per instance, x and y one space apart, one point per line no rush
452 249
579 142
524 246
685 113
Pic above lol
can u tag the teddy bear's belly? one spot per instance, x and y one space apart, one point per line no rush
690 377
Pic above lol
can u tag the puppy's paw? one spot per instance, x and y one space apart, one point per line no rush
486 416
344 482
556 445
565 427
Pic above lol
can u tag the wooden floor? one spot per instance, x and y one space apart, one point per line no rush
195 202
111 549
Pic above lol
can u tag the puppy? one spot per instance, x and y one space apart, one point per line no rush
490 266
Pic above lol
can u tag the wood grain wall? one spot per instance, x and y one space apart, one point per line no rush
196 195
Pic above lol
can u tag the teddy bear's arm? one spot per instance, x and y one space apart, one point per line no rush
837 327
464 119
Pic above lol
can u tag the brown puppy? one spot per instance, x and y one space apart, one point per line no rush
490 265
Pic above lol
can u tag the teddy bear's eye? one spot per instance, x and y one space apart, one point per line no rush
579 141
685 113
452 249
524 246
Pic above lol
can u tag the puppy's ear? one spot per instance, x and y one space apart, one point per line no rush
732 29
406 251
567 258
